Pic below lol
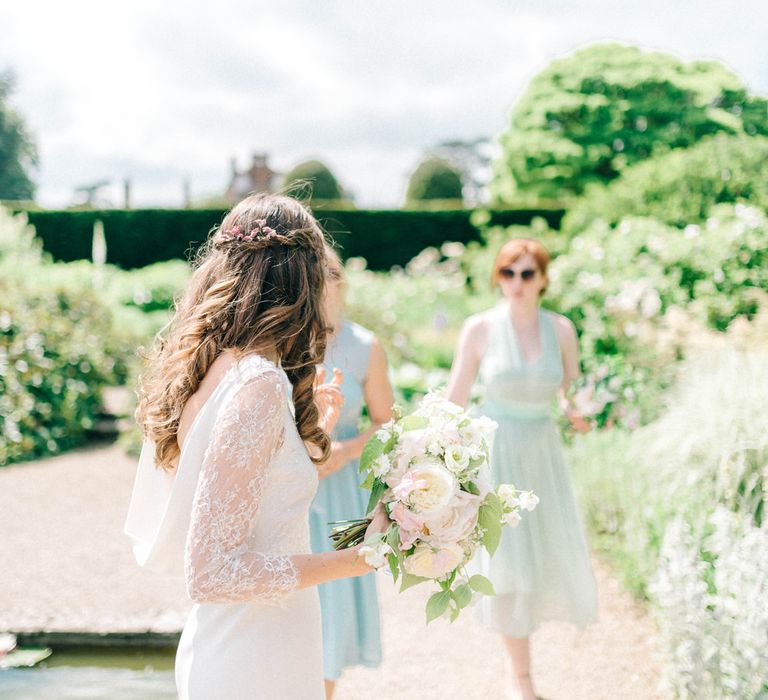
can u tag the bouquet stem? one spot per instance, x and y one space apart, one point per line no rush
349 533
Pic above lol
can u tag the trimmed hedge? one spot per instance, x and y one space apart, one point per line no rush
140 237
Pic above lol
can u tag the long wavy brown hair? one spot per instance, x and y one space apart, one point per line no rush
257 286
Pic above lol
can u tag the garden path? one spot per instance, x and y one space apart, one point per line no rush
67 567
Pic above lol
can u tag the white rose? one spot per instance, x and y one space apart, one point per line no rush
375 554
437 487
528 500
433 563
457 458
381 466
456 523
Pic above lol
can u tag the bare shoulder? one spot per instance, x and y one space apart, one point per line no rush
475 333
564 328
477 325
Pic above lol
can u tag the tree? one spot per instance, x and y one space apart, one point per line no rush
472 159
434 179
18 155
318 176
681 186
588 116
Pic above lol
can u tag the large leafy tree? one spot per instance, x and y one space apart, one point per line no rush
18 155
318 177
434 179
586 117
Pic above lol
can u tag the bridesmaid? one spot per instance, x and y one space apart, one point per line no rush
350 611
526 356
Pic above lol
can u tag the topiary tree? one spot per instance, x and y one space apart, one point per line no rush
322 181
434 179
18 155
588 116
681 186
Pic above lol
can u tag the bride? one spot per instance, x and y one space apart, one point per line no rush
233 434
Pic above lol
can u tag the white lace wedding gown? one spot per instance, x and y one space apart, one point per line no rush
230 519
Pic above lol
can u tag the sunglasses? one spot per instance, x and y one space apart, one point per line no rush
509 274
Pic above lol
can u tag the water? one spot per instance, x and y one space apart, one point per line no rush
88 674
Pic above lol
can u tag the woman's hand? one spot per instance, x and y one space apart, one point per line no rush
380 521
578 422
328 399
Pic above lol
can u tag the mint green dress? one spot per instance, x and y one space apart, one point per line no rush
350 607
541 570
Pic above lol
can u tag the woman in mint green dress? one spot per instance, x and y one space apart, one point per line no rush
525 357
350 608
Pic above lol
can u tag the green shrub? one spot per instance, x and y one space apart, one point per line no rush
58 347
54 362
137 238
681 187
322 182
434 179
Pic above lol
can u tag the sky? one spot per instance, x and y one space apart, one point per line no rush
163 92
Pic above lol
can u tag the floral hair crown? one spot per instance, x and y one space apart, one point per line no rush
259 232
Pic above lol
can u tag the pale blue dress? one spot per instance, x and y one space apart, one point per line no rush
350 607
541 570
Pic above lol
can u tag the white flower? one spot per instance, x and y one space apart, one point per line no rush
508 494
512 518
386 431
487 427
528 500
381 466
427 487
376 554
457 458
433 563
456 523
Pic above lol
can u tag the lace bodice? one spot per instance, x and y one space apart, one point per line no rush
255 484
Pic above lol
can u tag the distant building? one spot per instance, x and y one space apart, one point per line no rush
258 178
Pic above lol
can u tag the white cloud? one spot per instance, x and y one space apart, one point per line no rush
161 91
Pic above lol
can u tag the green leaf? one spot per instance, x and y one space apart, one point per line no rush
377 491
437 604
493 501
393 537
368 481
373 449
490 520
409 580
462 595
393 567
455 613
414 422
471 487
481 584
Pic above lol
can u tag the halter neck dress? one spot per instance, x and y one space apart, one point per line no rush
541 570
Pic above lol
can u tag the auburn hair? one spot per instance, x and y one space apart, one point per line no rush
515 249
257 287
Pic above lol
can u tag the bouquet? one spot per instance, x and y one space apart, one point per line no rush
429 471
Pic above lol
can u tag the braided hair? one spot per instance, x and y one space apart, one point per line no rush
257 287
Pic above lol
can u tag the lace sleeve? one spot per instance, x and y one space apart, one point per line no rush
219 565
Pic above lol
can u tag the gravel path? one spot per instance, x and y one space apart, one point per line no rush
67 567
